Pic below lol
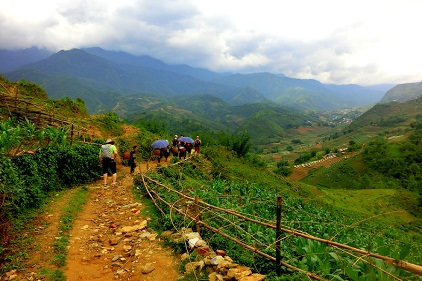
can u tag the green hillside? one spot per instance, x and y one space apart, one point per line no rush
227 181
370 201
389 115
403 93
263 122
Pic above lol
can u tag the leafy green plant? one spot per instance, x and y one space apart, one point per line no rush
255 200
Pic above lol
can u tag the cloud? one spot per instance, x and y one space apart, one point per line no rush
332 41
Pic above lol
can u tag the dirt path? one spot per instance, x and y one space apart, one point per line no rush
100 248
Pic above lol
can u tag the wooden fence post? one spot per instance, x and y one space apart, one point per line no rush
197 214
71 135
278 238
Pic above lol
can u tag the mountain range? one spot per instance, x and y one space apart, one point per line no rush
264 106
96 75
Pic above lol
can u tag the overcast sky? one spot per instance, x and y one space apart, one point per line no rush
334 41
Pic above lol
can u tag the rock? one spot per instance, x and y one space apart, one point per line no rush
253 277
85 227
212 276
243 271
116 257
12 277
192 266
144 234
185 230
217 260
192 235
192 242
114 241
128 229
177 238
120 272
201 265
132 205
201 243
10 273
221 253
227 264
209 269
232 272
166 234
227 258
127 248
147 268
184 256
203 250
152 236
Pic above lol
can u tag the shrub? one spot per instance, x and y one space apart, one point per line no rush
26 180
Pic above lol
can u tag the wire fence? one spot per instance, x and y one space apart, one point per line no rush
236 226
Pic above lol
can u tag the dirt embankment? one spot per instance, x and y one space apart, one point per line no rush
301 171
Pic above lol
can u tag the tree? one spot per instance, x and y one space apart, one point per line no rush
241 144
283 168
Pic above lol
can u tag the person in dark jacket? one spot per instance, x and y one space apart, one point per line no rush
132 159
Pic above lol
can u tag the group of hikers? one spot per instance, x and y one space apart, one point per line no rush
108 153
180 147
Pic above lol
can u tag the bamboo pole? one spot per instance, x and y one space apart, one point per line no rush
278 237
197 217
71 135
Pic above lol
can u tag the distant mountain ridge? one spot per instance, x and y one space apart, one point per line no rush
121 74
403 93
11 60
150 62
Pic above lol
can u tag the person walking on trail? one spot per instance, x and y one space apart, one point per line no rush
175 141
197 143
107 156
132 159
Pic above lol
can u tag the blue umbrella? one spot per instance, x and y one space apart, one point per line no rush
186 139
158 144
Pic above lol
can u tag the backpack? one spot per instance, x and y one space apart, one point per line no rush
106 151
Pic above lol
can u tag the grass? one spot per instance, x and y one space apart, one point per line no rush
67 218
380 203
53 275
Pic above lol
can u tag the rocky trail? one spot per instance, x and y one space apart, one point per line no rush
108 240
